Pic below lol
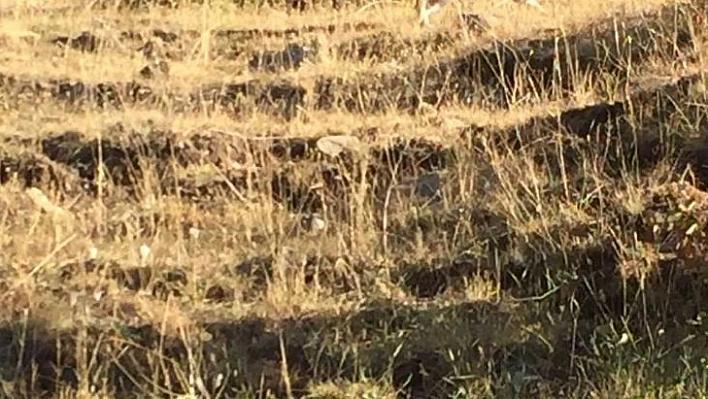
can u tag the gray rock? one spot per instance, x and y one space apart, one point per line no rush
428 185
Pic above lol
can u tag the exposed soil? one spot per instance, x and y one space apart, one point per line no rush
489 75
504 262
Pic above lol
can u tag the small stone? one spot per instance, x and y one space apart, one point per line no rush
428 185
144 253
317 224
194 233
335 145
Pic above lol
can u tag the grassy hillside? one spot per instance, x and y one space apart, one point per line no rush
288 200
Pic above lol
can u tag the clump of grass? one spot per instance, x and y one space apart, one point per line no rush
495 217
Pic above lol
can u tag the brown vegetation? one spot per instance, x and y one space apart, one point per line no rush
326 200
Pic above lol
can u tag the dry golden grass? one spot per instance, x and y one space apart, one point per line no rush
520 214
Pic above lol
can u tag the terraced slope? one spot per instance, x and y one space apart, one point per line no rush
223 201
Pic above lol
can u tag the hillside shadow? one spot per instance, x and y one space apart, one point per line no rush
497 73
426 350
